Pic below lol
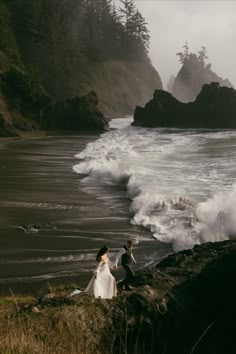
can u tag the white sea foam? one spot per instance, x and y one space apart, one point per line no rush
217 216
179 182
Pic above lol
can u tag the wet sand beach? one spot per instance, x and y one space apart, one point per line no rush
51 223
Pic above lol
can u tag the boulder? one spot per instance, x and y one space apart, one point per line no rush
79 113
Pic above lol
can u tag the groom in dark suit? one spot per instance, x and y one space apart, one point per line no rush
127 260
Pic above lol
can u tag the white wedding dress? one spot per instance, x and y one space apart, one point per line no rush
102 284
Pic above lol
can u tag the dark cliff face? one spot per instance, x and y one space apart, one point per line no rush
21 94
193 74
58 42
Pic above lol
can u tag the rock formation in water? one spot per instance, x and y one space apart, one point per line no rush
193 74
185 304
66 49
214 108
79 113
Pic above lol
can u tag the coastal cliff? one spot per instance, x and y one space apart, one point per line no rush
178 306
59 50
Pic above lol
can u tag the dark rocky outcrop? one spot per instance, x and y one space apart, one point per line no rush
179 306
214 108
193 74
79 113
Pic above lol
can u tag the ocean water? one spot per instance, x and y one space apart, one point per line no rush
63 197
180 184
52 223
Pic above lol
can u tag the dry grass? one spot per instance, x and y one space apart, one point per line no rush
76 328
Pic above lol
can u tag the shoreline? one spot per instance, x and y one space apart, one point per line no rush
37 134
52 223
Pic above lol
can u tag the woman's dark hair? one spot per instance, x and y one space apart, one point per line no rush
101 252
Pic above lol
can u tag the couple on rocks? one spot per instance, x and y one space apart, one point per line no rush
103 284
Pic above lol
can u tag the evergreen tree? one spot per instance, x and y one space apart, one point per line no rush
128 12
92 28
186 50
184 56
202 55
101 32
140 29
116 33
136 38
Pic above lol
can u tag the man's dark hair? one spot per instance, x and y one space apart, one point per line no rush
130 243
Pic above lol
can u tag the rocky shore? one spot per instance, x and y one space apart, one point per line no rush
184 304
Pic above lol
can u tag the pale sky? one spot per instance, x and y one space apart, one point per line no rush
209 23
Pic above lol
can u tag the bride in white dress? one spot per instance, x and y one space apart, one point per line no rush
102 284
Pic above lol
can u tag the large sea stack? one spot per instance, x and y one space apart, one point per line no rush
193 74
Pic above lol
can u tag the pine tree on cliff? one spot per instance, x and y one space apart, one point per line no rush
140 29
92 27
114 31
108 33
117 35
184 56
137 35
128 12
107 27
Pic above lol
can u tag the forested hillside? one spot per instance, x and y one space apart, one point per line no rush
76 46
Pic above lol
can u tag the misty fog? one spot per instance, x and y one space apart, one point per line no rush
201 23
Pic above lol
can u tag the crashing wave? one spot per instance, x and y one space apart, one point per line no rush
168 183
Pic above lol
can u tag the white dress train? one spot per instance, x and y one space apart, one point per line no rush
102 284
